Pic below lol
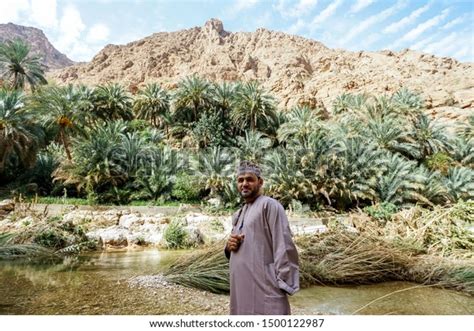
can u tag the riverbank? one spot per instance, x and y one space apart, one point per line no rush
125 282
426 246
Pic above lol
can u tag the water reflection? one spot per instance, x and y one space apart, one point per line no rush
398 298
96 283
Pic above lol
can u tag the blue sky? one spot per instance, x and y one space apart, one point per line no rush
81 28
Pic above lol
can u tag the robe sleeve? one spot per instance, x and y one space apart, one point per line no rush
235 217
285 255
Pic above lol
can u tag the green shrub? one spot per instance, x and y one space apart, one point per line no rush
217 226
51 239
439 162
186 188
175 236
382 211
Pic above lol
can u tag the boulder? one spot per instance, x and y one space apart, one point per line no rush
114 236
7 206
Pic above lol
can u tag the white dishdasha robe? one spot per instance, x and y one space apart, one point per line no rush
265 267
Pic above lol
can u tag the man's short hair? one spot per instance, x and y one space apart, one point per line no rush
249 167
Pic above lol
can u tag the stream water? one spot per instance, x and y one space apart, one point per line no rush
98 284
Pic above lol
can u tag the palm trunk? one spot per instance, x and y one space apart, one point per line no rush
65 143
4 151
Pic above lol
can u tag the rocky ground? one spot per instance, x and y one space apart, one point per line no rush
115 227
198 301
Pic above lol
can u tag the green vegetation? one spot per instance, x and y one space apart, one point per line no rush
18 67
175 236
382 211
31 252
383 155
107 146
186 188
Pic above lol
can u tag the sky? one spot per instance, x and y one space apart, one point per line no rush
81 28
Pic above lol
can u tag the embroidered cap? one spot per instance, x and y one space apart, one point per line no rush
249 167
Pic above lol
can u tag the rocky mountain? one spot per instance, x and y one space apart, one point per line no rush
40 44
295 69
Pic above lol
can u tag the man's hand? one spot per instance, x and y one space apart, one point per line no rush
234 242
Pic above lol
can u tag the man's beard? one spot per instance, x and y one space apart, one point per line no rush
250 194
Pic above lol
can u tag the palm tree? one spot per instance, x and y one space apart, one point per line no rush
400 182
191 98
301 123
223 97
214 168
253 146
347 102
285 178
59 108
86 100
355 171
134 150
98 160
379 107
463 151
41 173
432 187
466 130
407 101
152 104
460 184
154 180
318 158
254 108
18 67
389 133
18 135
428 137
113 102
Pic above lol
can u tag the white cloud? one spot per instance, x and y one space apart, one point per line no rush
367 23
416 32
465 53
70 29
97 33
43 13
442 45
395 27
422 43
303 7
244 4
359 5
10 10
296 27
369 40
326 13
453 45
454 22
238 6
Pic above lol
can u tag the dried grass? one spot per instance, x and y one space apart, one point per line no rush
206 269
442 231
337 256
342 257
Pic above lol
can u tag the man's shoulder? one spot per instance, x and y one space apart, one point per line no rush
270 202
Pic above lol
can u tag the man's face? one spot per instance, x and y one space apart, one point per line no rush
248 185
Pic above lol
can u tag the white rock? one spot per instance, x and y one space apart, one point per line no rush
127 221
194 218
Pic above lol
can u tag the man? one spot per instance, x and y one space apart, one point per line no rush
263 257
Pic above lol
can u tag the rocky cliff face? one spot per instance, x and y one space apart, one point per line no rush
296 70
52 58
